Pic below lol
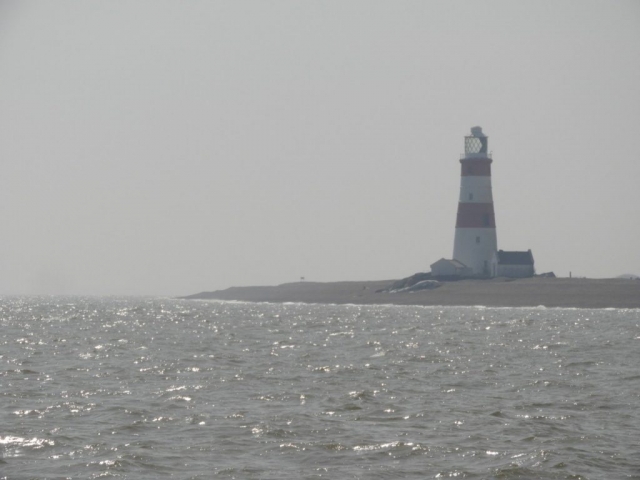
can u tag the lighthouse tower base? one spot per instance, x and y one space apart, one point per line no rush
475 247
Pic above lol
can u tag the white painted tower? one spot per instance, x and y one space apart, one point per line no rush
475 242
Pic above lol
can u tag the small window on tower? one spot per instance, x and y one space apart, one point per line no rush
471 196
486 220
477 239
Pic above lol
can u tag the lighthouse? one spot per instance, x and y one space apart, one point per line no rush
475 242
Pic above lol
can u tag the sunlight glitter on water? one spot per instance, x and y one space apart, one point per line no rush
278 391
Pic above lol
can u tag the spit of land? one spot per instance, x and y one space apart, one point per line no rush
497 292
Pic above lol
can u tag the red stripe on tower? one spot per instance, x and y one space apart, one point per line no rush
475 215
475 167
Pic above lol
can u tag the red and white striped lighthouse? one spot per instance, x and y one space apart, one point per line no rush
475 242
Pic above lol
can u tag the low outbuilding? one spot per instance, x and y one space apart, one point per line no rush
513 264
449 268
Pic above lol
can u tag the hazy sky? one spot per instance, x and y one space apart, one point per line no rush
164 147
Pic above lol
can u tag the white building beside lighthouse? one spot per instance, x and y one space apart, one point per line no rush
475 243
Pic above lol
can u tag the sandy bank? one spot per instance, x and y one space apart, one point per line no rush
550 292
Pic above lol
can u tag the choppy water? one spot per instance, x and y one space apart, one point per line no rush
157 388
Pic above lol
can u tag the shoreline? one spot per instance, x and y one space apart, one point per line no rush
497 292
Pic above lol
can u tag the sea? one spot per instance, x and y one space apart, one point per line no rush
148 388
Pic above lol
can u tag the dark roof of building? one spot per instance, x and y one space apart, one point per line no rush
515 258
